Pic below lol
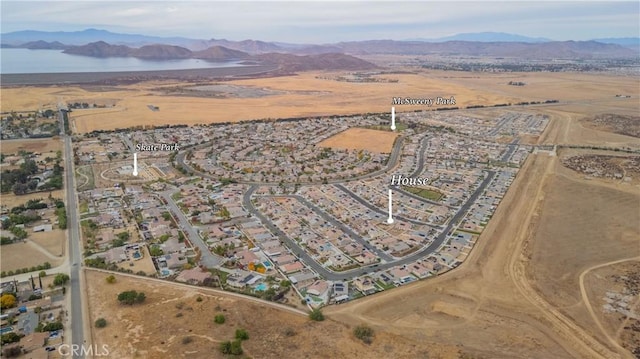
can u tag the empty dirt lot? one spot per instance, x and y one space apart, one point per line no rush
171 313
362 139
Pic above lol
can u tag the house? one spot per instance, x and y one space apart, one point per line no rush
292 267
115 255
172 261
241 278
364 285
43 228
340 289
246 256
193 276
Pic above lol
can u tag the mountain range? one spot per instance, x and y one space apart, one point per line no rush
102 43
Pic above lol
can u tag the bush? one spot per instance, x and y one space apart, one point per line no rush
61 279
316 315
50 327
219 319
42 274
111 279
236 347
242 334
187 340
199 299
9 338
11 352
225 347
131 297
101 323
363 333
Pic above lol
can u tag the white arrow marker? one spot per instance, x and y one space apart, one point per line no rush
390 219
135 164
393 119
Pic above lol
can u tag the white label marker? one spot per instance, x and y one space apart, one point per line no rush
135 164
393 119
390 219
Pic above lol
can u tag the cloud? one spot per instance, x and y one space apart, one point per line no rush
326 21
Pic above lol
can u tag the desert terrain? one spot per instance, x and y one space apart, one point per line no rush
158 327
362 139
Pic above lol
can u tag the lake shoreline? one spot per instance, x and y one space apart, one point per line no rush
120 77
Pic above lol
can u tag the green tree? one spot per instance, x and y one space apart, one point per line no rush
10 338
61 279
316 315
101 323
219 319
242 334
131 297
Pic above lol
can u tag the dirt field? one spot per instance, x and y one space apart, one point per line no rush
294 94
155 329
362 139
53 242
10 200
31 145
25 255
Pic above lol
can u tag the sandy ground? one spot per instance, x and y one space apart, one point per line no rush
53 242
31 145
157 328
362 139
25 255
10 200
299 97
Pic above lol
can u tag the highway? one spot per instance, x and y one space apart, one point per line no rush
75 255
207 258
350 274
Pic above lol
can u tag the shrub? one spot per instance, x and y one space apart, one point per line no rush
219 319
187 340
131 297
242 334
363 333
199 299
61 279
42 274
9 338
101 323
111 279
12 352
225 347
316 315
236 347
50 327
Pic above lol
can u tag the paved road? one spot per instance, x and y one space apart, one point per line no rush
127 141
75 255
207 258
339 225
347 275
510 149
377 209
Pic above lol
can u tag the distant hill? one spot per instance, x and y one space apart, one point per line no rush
43 45
486 37
629 42
219 53
99 49
315 62
490 44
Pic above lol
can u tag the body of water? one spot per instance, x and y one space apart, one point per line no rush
25 61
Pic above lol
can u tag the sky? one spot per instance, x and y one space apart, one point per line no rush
328 21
